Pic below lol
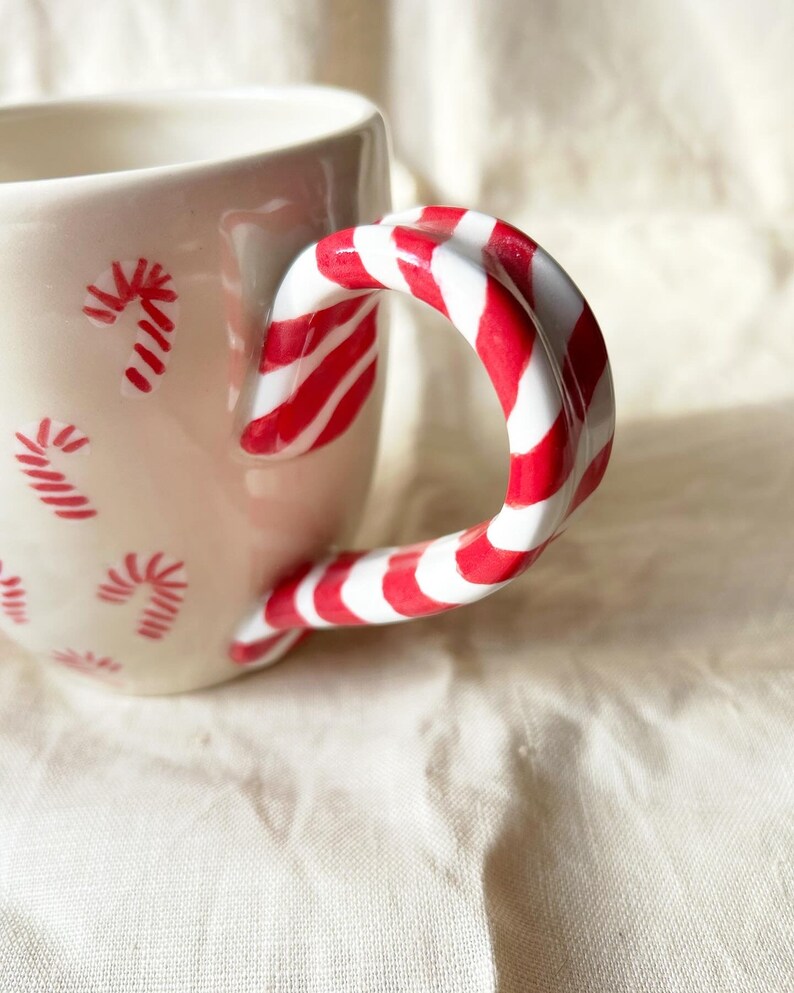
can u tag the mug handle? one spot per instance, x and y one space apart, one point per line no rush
543 351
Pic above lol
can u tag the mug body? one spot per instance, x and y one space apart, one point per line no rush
141 242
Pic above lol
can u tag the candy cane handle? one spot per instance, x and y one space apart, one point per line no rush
543 351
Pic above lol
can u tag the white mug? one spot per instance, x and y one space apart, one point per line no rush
169 509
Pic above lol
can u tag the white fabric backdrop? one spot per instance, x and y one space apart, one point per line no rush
584 783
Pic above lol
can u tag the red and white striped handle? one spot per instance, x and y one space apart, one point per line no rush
543 351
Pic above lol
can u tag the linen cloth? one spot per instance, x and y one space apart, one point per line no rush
583 783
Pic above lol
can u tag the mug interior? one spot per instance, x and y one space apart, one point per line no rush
60 139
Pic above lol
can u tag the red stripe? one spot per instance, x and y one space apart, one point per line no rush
75 515
123 289
151 566
149 358
168 595
107 298
505 340
138 380
328 593
116 589
154 277
53 477
152 331
288 341
52 487
442 220
165 573
39 460
159 293
65 501
150 614
11 581
73 446
592 477
137 277
349 406
63 435
338 260
29 444
512 251
100 315
131 564
164 605
540 472
400 588
479 561
585 361
160 319
280 609
119 579
414 259
13 594
43 437
149 622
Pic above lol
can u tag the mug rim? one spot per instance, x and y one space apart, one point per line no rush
362 113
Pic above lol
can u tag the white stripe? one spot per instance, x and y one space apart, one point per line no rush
276 387
281 647
312 432
377 252
517 529
558 304
472 233
254 627
463 287
600 416
437 574
304 289
362 591
304 596
405 218
538 403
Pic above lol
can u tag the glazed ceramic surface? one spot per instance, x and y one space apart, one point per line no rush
192 384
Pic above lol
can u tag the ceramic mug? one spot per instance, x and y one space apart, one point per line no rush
191 399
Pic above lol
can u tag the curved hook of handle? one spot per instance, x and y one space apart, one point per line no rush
543 351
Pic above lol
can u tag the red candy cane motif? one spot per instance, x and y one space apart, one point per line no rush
36 444
13 599
543 350
153 289
167 579
87 663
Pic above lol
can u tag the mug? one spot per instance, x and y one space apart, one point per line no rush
193 371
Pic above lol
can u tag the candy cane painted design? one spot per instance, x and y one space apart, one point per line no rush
148 285
36 444
87 663
167 580
13 597
543 350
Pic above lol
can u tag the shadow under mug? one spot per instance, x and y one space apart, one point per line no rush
191 397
